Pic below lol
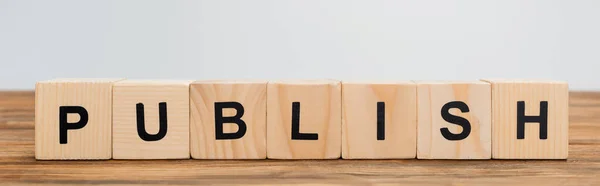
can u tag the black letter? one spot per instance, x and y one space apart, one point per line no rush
65 126
380 121
464 123
219 120
296 135
542 119
141 126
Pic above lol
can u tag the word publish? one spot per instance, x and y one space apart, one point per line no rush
86 119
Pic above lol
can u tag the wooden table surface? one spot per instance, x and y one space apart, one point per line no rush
18 165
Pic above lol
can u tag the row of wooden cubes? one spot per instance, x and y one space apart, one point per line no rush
143 119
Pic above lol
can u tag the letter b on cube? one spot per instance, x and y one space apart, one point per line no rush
228 119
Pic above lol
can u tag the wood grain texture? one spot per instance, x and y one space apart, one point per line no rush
432 96
319 112
127 144
252 96
19 167
505 95
359 120
90 142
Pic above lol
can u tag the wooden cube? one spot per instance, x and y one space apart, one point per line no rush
228 119
379 120
73 119
151 119
454 120
530 119
304 120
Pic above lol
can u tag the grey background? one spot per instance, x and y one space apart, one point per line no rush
300 39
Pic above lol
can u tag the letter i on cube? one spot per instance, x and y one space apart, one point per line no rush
379 120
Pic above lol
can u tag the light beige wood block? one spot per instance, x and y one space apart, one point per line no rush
170 144
379 120
505 110
84 140
319 117
469 100
244 103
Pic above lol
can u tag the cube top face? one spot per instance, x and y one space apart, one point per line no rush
304 120
82 80
523 81
306 82
85 104
378 83
454 120
151 120
530 101
168 83
234 82
379 120
466 82
229 105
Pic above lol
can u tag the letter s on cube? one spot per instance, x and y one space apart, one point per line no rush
454 120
